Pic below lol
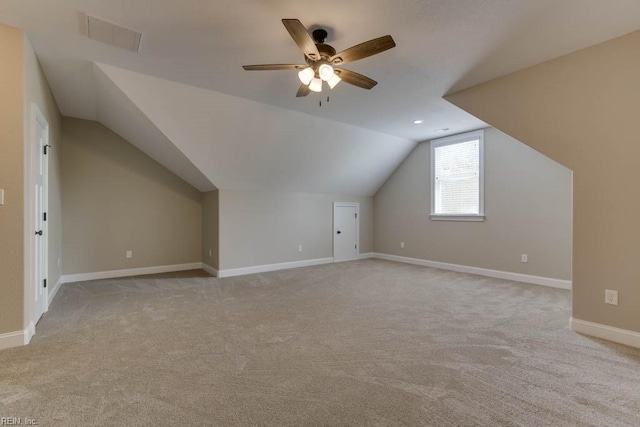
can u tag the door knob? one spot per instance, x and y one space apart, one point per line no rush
339 231
39 232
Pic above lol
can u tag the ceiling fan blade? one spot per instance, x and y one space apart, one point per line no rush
303 90
355 79
363 50
274 67
301 36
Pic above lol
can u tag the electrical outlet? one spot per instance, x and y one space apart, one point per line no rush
299 248
610 297
401 245
129 254
1 197
525 258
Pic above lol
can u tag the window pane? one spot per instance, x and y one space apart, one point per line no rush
457 178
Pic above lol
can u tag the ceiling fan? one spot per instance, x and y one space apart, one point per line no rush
322 59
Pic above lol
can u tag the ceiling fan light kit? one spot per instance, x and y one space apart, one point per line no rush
306 75
322 59
326 72
315 85
333 81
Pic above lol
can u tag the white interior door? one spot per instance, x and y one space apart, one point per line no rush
346 245
40 144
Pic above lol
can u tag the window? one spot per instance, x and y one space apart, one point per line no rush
457 177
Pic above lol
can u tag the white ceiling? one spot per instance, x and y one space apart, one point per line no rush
200 46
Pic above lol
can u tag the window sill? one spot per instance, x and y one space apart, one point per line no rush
472 218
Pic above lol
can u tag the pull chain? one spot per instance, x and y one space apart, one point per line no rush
320 103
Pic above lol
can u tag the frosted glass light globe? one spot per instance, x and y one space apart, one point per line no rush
325 71
306 75
315 85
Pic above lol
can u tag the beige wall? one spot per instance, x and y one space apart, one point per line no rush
11 179
258 228
527 208
582 110
115 198
210 229
22 83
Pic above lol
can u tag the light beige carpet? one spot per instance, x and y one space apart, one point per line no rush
363 343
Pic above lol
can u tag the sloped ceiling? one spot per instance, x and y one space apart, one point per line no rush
116 111
241 144
261 136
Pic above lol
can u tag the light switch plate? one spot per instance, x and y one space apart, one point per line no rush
1 197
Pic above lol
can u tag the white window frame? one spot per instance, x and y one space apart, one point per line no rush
450 140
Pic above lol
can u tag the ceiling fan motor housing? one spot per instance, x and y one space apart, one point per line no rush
326 52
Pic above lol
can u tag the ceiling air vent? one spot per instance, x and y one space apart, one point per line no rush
106 32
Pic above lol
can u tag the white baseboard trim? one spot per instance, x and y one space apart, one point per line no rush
29 333
366 256
54 290
273 267
81 277
517 277
15 339
609 333
212 271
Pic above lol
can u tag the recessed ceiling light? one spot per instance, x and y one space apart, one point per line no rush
441 130
417 122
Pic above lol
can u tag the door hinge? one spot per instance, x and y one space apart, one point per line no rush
356 215
45 283
46 149
44 216
356 246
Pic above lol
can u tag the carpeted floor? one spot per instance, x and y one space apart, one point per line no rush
362 343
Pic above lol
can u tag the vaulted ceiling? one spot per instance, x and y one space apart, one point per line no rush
185 100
